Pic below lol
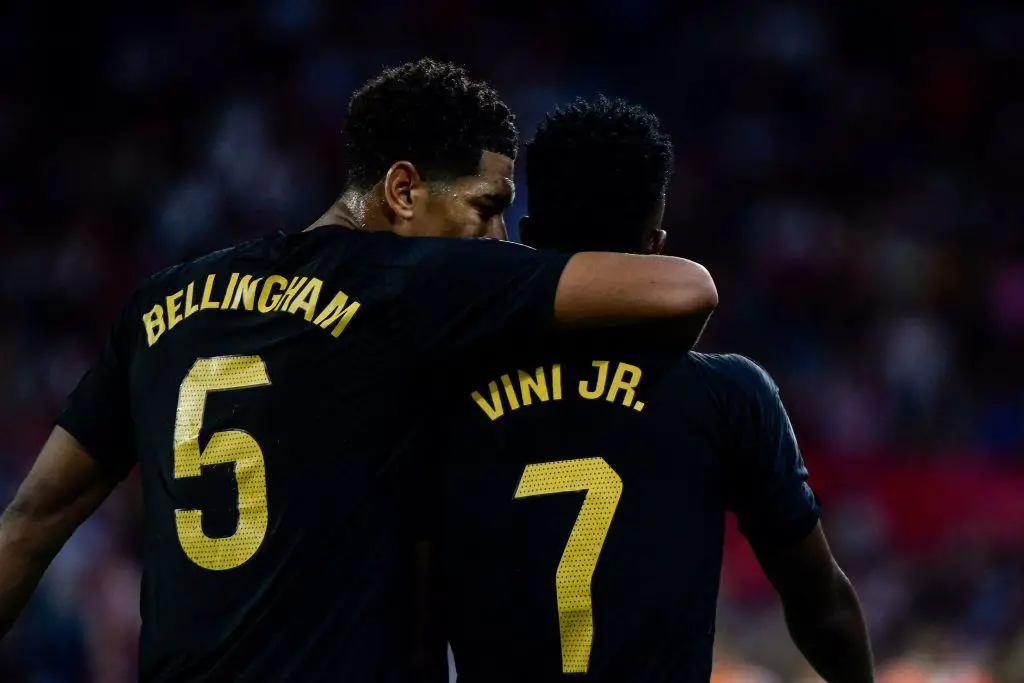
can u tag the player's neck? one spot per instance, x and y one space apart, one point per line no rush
354 210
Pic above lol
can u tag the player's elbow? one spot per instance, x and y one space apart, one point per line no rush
692 292
688 298
21 513
839 622
18 527
828 600
27 534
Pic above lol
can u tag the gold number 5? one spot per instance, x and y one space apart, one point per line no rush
231 446
579 559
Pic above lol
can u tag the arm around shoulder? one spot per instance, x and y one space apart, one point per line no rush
600 289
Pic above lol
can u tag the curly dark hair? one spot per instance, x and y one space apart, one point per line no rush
595 172
429 113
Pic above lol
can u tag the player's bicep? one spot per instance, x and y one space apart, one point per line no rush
470 292
64 486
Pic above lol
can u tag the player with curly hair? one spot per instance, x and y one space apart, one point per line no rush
274 395
587 481
636 162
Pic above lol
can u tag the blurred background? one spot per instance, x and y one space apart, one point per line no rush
850 174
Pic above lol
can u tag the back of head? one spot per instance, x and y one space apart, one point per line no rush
596 173
430 114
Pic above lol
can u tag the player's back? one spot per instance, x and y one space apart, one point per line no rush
273 396
584 507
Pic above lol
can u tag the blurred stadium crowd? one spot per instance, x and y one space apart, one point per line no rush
846 174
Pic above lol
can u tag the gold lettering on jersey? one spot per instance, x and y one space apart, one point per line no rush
299 295
246 293
208 301
626 378
306 301
154 323
544 385
599 381
510 392
530 385
289 294
337 311
190 307
232 283
269 300
173 310
493 407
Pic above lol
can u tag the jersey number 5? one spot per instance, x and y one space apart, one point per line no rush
230 446
579 559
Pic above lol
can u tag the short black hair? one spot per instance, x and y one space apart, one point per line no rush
595 172
429 113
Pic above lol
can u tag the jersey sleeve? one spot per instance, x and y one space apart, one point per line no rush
98 411
469 295
768 490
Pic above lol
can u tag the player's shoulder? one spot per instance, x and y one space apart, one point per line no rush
734 373
160 279
742 391
420 251
251 255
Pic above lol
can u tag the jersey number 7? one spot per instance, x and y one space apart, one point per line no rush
579 559
222 373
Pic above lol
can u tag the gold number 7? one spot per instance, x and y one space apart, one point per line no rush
579 559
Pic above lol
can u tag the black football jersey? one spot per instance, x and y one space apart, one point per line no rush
583 505
273 395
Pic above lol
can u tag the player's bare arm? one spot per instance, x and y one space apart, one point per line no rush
778 513
64 487
822 610
605 290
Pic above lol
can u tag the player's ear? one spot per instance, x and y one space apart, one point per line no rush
402 178
526 227
655 241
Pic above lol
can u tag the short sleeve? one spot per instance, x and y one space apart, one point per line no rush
467 295
98 411
768 488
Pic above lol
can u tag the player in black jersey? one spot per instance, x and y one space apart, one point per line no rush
274 393
588 480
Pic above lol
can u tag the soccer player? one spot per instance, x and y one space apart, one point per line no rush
273 395
587 481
